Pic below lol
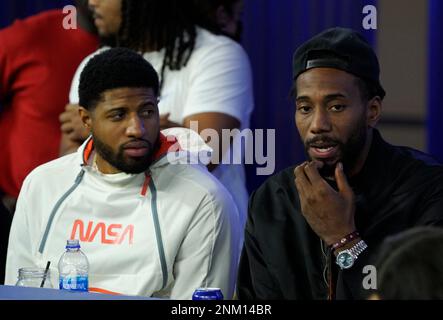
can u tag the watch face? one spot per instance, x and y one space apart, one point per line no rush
345 260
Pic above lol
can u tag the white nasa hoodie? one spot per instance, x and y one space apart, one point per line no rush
163 233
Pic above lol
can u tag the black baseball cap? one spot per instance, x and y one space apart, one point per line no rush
343 49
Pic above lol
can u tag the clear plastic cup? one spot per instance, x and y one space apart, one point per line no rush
34 277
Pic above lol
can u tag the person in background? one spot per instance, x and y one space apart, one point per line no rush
410 265
170 227
221 16
38 58
205 79
313 228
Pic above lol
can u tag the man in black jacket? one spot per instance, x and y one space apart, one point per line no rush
313 230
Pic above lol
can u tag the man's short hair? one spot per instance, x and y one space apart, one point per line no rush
112 69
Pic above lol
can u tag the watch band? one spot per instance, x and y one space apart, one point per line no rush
345 240
358 248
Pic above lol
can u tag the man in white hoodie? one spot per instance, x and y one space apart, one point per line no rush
148 226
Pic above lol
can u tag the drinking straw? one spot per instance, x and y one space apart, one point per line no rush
46 273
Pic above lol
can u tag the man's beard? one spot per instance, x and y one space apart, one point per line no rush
349 151
131 165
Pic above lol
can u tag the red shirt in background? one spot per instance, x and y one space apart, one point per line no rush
38 59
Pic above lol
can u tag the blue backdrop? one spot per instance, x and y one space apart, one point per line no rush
435 84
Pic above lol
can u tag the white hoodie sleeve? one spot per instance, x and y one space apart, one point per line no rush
20 245
208 256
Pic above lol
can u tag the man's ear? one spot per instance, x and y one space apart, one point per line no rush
85 116
373 111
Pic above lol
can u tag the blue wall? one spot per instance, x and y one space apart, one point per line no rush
435 83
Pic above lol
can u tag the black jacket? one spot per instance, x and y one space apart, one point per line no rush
282 258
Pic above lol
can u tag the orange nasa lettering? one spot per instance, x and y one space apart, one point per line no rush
112 234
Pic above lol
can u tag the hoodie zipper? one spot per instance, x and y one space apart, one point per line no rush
60 201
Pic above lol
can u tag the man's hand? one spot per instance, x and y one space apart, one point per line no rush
166 124
329 213
72 125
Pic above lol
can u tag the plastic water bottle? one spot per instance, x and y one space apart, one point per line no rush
73 268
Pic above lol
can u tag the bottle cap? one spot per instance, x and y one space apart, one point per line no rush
72 244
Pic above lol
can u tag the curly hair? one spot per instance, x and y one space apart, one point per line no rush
112 69
152 25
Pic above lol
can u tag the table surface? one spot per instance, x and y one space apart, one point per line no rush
27 293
